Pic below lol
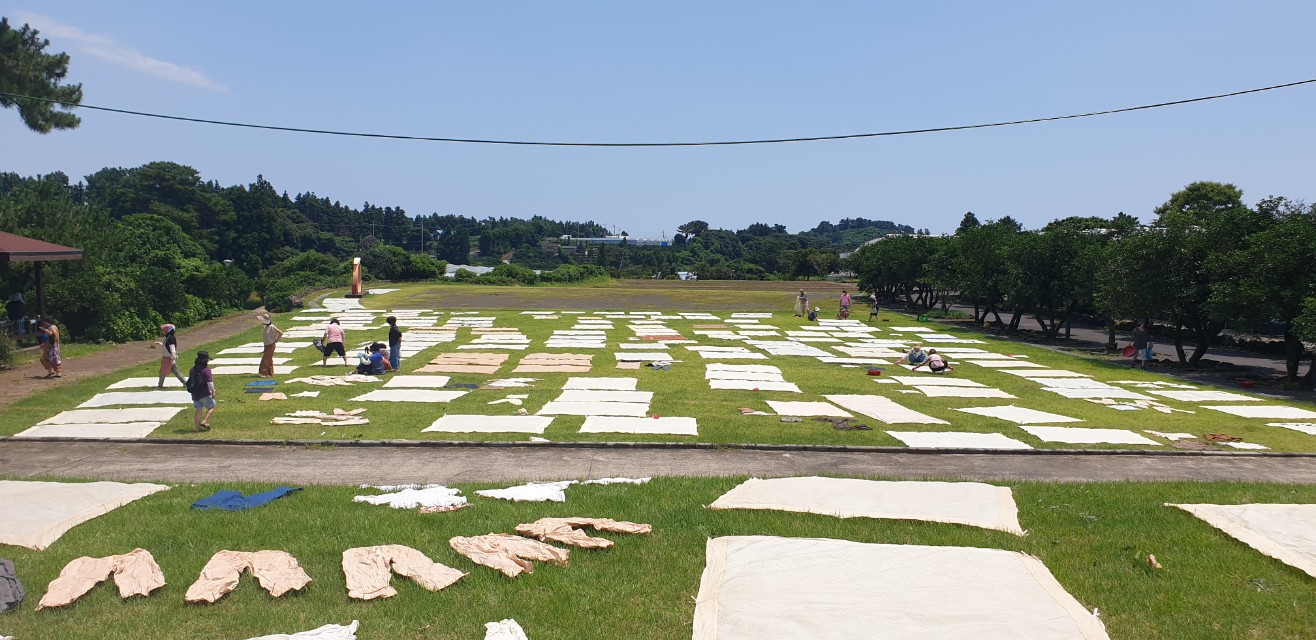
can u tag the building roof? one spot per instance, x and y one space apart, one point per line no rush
14 248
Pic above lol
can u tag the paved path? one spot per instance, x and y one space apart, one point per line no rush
399 465
27 379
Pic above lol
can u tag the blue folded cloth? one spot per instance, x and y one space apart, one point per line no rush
230 500
262 383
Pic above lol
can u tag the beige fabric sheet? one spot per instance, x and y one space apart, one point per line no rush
1285 532
507 553
35 514
757 587
567 530
276 571
135 574
970 503
368 571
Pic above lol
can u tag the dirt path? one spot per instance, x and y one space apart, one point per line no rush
27 379
406 464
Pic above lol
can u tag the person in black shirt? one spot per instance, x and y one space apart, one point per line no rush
394 343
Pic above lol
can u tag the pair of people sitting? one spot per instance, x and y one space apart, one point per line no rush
930 359
373 360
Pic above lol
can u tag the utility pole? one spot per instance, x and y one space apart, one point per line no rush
422 235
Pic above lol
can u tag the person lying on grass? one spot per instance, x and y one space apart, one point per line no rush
935 363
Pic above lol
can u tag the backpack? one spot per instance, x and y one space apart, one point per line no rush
194 382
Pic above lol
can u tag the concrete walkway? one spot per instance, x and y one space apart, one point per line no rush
400 465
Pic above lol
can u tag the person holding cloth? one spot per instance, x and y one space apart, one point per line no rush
373 363
801 304
168 359
394 343
201 384
270 340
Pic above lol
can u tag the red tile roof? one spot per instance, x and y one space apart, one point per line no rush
15 248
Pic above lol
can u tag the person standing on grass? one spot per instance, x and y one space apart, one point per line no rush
394 343
333 341
50 355
872 312
201 384
270 339
845 304
1141 344
801 304
168 359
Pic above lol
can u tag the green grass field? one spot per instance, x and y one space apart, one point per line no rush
1093 537
682 391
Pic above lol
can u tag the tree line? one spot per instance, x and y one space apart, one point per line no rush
1206 262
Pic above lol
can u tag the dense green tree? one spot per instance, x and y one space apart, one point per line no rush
27 70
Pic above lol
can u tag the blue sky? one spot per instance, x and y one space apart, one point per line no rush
679 71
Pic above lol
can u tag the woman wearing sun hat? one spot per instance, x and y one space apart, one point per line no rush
270 339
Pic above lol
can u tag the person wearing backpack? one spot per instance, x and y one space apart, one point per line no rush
201 384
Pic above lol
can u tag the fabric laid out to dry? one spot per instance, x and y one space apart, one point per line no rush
326 632
602 384
135 574
369 570
1308 428
957 440
1018 415
1044 373
531 492
1084 435
1285 532
1079 393
760 376
807 409
507 629
883 409
1203 396
11 590
1268 411
141 383
339 418
455 423
279 370
1002 364
595 395
555 363
941 381
968 503
410 395
509 554
661 425
1250 446
754 385
276 571
1073 383
936 391
756 587
333 381
416 497
94 431
34 514
632 409
642 356
568 530
1171 436
401 381
465 363
116 398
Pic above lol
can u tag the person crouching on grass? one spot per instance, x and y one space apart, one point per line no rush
201 384
935 363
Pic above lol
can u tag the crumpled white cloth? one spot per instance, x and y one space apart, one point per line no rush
428 496
327 632
617 481
504 630
531 492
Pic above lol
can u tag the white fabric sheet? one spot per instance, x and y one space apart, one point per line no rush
414 497
1018 415
969 503
1171 436
660 425
1002 364
642 356
93 431
531 492
114 416
760 368
922 381
1087 392
279 370
743 375
1249 446
806 409
1073 383
758 587
410 395
1308 428
957 440
934 391
399 381
632 409
750 385
327 632
1203 396
455 423
882 408
116 398
602 384
140 383
1044 373
595 395
1085 435
504 630
1286 532
1271 411
36 514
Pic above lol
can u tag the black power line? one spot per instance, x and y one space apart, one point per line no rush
714 143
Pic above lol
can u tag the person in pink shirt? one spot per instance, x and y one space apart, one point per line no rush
333 341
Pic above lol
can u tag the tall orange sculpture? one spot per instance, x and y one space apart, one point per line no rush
356 279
